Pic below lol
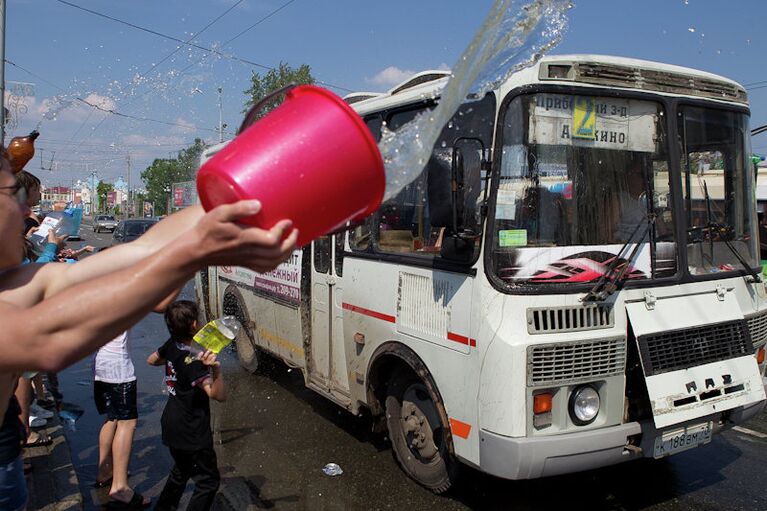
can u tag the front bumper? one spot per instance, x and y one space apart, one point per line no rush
529 458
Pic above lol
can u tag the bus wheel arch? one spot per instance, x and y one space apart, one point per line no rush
247 351
404 397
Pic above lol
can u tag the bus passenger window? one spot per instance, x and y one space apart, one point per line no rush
339 254
359 236
374 123
321 247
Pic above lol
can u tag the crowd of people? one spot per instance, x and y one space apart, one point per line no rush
52 304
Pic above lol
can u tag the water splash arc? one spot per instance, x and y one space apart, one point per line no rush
514 35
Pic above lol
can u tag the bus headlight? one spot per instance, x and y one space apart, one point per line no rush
584 405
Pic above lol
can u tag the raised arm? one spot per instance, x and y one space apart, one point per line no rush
165 232
68 325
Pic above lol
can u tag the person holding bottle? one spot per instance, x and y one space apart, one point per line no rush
192 378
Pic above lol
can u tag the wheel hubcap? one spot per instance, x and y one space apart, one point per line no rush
420 422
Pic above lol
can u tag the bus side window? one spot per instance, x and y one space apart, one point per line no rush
359 236
374 123
321 248
339 255
418 218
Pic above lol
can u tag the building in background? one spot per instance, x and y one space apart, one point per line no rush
55 198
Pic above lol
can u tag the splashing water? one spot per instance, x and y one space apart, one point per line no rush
512 38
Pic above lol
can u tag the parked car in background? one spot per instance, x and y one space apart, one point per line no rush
129 230
104 223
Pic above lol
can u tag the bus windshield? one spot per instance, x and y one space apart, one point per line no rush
718 191
584 181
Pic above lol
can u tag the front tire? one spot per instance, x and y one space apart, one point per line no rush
420 441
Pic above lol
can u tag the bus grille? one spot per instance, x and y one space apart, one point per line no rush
547 320
550 364
671 351
757 327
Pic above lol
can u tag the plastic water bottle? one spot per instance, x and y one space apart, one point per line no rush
332 469
217 334
64 223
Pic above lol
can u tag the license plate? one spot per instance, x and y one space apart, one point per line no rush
678 440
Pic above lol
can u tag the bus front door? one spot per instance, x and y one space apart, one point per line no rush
326 358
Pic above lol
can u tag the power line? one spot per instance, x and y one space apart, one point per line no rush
160 34
193 45
107 110
259 21
196 34
100 144
154 66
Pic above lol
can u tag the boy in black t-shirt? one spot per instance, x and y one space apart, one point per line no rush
191 379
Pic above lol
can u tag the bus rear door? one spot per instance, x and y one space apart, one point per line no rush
327 357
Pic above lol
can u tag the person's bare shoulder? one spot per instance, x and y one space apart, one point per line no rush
25 285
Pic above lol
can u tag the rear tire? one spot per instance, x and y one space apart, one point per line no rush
419 438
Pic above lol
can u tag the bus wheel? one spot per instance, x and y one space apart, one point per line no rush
419 439
247 353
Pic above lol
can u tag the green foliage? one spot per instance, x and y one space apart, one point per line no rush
162 173
101 191
275 79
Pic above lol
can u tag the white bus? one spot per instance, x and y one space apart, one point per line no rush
559 290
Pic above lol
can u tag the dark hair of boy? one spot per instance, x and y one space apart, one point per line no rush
179 317
27 181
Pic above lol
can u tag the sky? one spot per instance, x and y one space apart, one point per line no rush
165 92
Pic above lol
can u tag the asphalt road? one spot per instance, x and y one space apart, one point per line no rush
275 437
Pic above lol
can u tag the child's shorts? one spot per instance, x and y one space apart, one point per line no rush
116 400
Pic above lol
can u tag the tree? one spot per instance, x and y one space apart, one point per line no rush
162 173
275 79
102 189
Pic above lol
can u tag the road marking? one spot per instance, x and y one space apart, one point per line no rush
749 432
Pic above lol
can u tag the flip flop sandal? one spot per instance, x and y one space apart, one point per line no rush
42 440
136 503
103 484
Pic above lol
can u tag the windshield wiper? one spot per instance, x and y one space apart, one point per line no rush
725 231
607 285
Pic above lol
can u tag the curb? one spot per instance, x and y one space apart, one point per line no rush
53 484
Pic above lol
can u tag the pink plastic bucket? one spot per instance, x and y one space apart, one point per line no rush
311 160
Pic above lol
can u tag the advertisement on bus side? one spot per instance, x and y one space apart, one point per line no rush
282 283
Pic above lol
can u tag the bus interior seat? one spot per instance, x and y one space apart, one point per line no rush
397 241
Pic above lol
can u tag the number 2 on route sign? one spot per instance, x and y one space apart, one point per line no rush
584 118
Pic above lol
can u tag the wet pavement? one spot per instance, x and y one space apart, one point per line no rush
276 435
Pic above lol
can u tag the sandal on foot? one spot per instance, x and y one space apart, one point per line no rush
42 440
135 503
103 484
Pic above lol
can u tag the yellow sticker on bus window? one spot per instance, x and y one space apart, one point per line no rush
512 238
584 118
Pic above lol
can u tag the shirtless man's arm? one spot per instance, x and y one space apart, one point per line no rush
65 327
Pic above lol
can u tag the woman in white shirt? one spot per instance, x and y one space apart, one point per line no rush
114 392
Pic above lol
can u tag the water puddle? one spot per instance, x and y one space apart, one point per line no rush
515 35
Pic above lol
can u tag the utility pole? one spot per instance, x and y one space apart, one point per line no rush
220 115
127 215
2 72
